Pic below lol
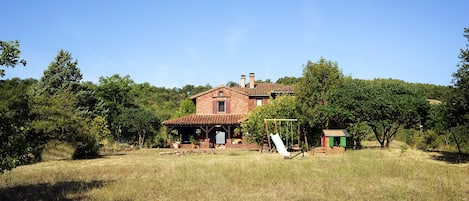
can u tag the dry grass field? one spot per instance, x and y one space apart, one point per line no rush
368 174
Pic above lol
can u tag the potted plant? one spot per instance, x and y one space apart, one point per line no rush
194 142
236 136
237 133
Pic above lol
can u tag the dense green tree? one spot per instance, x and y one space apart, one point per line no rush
141 122
189 90
283 107
59 109
319 80
89 104
435 92
14 97
13 144
99 128
10 55
458 102
13 112
345 110
54 118
164 102
186 107
14 116
62 74
384 105
117 95
232 84
288 80
436 119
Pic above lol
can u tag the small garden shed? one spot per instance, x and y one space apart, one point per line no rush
334 138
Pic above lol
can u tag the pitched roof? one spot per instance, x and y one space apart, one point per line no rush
213 89
206 119
335 132
265 89
260 89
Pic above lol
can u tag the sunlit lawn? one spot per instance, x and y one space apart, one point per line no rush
369 174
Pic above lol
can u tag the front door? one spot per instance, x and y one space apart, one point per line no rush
220 137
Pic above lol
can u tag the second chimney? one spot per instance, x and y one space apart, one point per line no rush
251 80
243 81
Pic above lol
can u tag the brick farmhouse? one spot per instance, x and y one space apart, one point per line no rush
220 111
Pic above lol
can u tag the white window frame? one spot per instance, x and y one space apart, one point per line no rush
259 102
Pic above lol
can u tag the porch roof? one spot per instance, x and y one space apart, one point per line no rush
206 119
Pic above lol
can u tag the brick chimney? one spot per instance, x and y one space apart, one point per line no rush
243 81
251 80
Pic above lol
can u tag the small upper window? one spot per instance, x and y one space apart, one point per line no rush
220 93
221 106
259 102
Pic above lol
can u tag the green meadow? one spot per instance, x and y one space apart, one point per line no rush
145 174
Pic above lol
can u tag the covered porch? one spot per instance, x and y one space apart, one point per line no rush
208 131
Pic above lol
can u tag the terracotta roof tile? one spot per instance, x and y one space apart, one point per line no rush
265 89
206 119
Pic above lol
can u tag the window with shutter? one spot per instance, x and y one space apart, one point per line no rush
228 108
214 107
221 107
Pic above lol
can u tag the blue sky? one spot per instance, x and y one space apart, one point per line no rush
172 43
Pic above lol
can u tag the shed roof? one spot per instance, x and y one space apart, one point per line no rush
335 132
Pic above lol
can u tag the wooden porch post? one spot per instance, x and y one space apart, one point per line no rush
168 130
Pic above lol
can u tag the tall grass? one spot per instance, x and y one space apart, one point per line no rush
243 175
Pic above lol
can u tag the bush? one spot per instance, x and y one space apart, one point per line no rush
86 147
86 150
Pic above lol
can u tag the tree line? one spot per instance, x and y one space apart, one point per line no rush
422 115
61 107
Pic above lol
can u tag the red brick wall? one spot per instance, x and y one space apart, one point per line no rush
238 101
253 102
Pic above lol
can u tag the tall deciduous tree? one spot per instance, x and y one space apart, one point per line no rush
384 105
14 116
142 122
10 55
319 80
458 101
117 94
12 133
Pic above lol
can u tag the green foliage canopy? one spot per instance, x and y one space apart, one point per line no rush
283 107
385 105
140 122
56 110
10 55
457 104
319 80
